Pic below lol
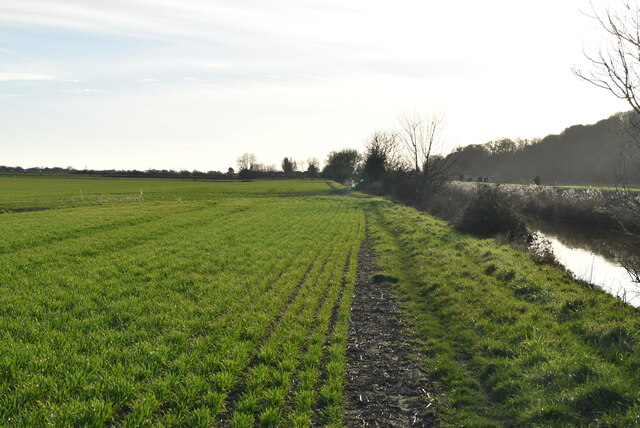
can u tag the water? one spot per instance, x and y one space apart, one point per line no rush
591 255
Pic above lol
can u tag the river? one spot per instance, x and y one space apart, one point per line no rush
591 255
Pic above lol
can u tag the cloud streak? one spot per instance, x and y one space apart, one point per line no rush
13 77
194 19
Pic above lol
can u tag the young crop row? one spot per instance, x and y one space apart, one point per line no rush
215 311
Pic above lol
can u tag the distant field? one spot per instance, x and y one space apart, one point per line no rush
39 193
174 303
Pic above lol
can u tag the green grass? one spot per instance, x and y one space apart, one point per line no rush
509 341
206 304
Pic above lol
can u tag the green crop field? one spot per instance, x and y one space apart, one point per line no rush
180 303
174 303
18 194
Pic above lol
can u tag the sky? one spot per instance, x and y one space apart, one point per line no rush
194 84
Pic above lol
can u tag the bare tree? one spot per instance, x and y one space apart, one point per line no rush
261 167
615 67
412 135
246 162
421 137
313 168
387 145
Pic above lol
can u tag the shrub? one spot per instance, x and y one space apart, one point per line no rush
492 212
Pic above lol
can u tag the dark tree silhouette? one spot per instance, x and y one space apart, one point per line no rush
341 165
380 156
288 166
313 167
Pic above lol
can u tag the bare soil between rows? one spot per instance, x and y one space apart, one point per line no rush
385 385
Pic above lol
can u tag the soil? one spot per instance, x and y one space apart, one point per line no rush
386 387
23 210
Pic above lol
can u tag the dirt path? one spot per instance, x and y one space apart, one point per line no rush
385 386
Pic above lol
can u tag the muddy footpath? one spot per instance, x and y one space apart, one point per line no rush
385 385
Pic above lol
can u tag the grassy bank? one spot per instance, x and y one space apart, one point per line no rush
510 341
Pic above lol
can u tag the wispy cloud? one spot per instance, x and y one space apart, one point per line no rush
175 18
221 41
5 77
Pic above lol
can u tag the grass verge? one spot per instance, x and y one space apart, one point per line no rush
511 342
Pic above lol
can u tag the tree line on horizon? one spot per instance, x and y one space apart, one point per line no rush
249 167
595 154
255 169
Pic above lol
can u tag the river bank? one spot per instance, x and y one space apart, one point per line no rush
510 340
581 226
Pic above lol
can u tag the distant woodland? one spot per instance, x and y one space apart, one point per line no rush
598 154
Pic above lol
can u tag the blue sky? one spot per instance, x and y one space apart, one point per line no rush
193 84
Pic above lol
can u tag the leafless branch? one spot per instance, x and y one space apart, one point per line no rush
420 137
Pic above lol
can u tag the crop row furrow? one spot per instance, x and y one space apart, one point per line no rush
303 395
267 383
216 380
222 305
328 409
12 245
103 243
240 331
151 265
290 306
231 308
299 359
110 225
155 262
